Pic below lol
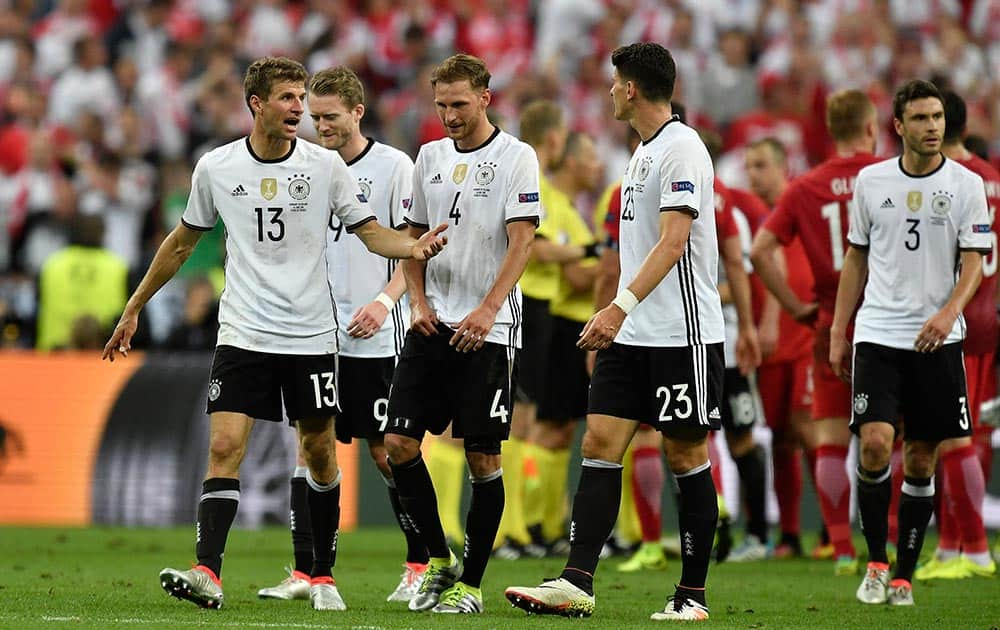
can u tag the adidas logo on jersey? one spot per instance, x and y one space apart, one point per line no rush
436 179
239 191
714 414
887 203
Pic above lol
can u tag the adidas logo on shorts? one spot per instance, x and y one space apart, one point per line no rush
887 203
714 414
239 191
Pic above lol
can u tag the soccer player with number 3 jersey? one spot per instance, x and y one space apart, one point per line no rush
659 343
919 227
814 209
277 340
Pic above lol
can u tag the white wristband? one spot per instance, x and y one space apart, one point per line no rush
385 301
626 301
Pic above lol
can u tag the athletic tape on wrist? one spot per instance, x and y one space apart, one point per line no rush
385 301
626 301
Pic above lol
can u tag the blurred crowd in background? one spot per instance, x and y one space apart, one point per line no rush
107 104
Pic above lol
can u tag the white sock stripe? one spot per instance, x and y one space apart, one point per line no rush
498 473
919 491
232 495
694 471
389 481
863 476
318 487
300 471
600 463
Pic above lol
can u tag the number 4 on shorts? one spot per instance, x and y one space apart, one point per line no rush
498 410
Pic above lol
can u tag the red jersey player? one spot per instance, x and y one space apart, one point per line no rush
783 377
814 209
964 463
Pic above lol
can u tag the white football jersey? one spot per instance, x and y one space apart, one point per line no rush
277 214
385 176
730 316
913 228
477 193
671 171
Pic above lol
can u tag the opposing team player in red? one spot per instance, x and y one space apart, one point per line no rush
964 463
814 210
783 377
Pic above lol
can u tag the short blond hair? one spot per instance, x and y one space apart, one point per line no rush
462 67
340 81
537 119
846 114
267 71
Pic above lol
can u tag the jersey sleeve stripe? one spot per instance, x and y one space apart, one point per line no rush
416 224
532 218
981 250
351 228
684 209
857 245
198 228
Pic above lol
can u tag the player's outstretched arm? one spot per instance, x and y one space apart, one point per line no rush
852 282
173 251
748 355
764 255
472 330
391 244
675 228
936 330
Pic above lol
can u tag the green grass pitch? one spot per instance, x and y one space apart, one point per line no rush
107 578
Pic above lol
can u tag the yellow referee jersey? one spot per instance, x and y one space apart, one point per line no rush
569 228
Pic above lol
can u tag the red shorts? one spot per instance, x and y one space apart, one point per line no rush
981 383
831 396
785 388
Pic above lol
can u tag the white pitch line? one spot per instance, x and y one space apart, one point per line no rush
195 622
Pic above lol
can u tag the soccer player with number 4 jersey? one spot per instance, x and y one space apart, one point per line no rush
659 342
277 343
815 210
367 289
919 228
457 363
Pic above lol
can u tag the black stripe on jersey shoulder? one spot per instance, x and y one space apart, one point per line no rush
533 219
415 224
982 250
496 132
909 174
685 209
364 152
192 226
368 219
863 248
672 119
284 157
